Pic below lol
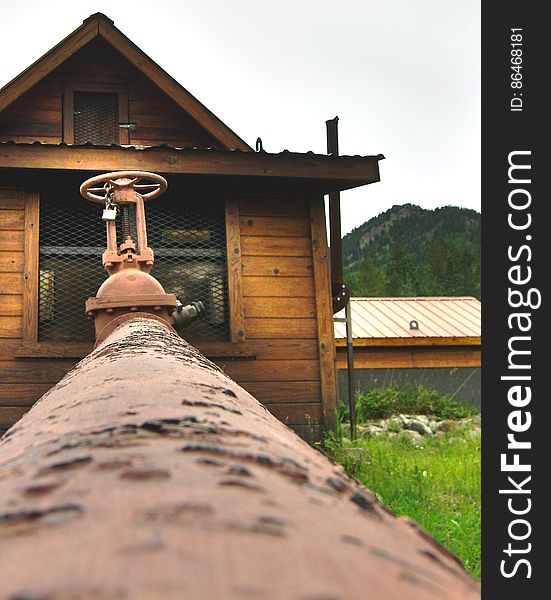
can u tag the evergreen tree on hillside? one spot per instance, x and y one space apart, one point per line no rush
409 251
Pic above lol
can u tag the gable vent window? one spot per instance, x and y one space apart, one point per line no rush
189 242
93 112
96 118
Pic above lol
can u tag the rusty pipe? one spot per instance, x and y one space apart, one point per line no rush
147 473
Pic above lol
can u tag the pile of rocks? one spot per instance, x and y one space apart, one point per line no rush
416 427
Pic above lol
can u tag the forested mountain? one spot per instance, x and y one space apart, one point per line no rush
411 251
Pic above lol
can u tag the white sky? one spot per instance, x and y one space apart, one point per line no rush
402 75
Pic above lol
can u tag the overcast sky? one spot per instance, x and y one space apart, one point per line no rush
402 75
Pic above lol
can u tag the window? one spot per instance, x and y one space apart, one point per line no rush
189 241
93 113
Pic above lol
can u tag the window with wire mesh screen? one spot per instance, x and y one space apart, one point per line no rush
96 118
189 242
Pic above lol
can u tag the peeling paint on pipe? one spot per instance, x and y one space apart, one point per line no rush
147 473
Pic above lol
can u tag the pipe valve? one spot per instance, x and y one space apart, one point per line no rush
184 316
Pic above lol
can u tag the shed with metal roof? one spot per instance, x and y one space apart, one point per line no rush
433 341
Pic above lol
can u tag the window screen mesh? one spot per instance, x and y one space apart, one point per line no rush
190 262
96 118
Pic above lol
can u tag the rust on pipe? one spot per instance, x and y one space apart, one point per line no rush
147 473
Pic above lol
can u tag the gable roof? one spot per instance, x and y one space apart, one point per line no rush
98 25
438 318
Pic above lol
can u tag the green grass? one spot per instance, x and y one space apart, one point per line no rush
437 485
381 403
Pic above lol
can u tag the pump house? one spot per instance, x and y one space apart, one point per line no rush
241 231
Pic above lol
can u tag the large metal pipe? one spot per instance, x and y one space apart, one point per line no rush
147 473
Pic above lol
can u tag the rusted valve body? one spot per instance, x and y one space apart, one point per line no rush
129 289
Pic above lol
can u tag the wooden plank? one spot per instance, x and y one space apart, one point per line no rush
70 350
275 227
284 391
31 129
11 305
27 139
409 358
32 114
22 394
277 246
12 219
39 99
219 350
12 198
418 341
277 266
33 370
299 329
276 308
11 240
285 287
11 262
278 370
30 279
235 285
285 349
8 348
10 415
173 89
325 327
53 350
47 63
303 413
327 172
11 327
161 115
11 283
261 206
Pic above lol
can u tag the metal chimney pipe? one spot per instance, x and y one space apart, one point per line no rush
147 473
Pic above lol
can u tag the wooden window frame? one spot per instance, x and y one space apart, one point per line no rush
31 347
69 90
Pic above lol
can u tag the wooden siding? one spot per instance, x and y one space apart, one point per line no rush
279 309
38 116
393 357
278 302
21 381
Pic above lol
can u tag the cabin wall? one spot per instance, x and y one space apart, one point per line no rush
21 381
38 114
285 300
279 301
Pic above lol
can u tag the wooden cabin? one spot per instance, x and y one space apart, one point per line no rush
240 230
402 342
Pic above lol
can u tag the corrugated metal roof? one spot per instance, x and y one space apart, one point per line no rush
437 317
209 149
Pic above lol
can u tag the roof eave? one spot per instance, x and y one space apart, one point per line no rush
322 172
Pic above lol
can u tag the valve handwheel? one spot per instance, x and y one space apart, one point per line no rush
123 179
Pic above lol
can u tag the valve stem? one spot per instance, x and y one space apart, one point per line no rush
125 222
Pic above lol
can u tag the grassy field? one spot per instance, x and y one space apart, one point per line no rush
437 485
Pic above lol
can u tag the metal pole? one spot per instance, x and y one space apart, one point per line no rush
147 473
339 289
350 370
